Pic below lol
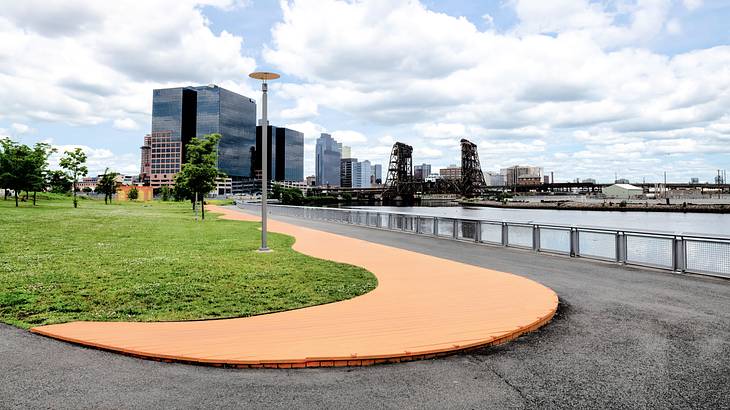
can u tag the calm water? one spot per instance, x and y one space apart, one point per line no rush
654 221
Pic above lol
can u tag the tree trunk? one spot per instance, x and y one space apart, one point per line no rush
33 198
202 209
16 198
74 188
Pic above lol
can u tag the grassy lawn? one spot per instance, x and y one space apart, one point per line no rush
151 262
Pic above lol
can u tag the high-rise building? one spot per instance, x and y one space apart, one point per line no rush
346 151
285 152
348 170
376 174
161 159
187 112
361 177
420 172
327 161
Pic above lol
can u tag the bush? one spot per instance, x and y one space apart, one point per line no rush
87 189
291 196
133 194
622 204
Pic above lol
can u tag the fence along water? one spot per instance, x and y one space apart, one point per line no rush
702 254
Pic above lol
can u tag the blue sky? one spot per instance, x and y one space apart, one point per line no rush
584 89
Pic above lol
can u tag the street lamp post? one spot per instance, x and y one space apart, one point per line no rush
264 77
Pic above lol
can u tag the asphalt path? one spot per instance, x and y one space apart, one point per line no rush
623 338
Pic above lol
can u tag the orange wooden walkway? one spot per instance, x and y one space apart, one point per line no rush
423 307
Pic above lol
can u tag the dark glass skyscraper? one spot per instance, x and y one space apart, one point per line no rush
234 117
188 112
285 152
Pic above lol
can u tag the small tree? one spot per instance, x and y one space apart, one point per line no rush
199 173
133 194
36 178
58 182
165 193
74 164
107 185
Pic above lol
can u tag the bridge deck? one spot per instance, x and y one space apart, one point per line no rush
423 307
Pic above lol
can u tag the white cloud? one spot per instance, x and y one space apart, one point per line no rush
126 124
19 128
305 108
692 4
82 62
566 66
98 159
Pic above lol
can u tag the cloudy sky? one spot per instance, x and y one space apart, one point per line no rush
582 88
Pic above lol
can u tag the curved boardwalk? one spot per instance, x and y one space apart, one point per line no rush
423 307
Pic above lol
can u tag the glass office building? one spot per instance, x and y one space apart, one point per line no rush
327 161
285 154
234 117
187 112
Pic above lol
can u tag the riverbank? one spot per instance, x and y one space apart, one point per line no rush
614 205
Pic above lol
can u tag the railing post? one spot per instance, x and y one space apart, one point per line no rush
454 232
574 242
505 234
478 233
536 238
418 224
679 260
621 247
435 226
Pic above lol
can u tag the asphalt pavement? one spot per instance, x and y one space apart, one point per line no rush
623 337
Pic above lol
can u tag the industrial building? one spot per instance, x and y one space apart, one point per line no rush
623 191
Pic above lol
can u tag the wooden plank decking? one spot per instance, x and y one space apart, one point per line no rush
423 307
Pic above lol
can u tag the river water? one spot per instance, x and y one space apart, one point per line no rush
697 223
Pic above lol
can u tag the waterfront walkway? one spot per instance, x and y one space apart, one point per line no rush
423 307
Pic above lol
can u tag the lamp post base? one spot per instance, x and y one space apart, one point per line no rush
263 250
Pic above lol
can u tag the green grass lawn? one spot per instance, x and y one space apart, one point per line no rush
152 262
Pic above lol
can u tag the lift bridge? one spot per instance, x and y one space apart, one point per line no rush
400 184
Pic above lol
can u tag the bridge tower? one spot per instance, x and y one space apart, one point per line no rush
400 172
472 178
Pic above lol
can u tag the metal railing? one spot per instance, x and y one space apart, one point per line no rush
703 254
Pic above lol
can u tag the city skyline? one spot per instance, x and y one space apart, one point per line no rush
603 88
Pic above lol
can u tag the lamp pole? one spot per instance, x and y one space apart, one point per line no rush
264 77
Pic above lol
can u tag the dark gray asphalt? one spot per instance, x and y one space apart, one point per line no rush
623 338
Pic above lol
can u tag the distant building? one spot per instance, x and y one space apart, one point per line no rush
432 177
621 181
162 159
589 181
347 172
452 172
420 172
694 181
223 186
87 182
327 161
311 180
493 179
522 175
545 179
361 175
622 191
376 174
346 151
285 152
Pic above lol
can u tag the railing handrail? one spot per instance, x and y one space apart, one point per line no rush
589 228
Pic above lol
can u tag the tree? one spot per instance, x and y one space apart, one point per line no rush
74 164
133 194
58 182
107 185
36 177
200 171
276 190
165 193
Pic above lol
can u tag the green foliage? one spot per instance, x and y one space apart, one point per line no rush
107 185
165 193
292 196
157 264
133 194
74 164
347 197
23 168
58 182
199 173
276 191
87 189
